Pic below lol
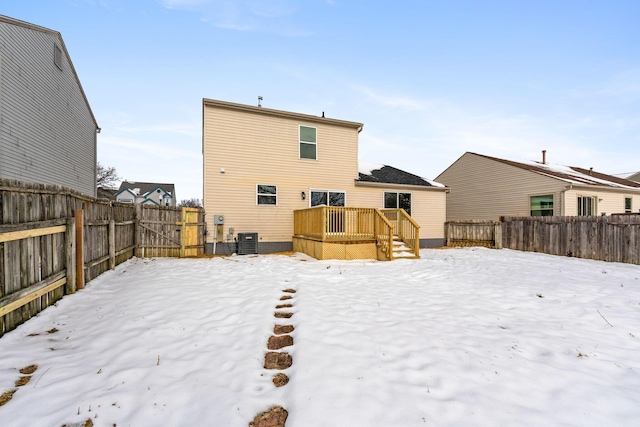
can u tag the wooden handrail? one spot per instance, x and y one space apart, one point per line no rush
340 223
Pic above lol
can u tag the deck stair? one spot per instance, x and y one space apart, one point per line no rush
401 250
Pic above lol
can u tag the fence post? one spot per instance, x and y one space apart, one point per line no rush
112 245
497 235
79 219
183 234
446 234
137 251
70 240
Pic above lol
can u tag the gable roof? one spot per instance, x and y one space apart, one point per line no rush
570 174
124 190
385 174
146 187
56 34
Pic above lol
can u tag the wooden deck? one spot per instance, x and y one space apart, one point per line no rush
336 232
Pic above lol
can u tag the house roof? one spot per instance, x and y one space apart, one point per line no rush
107 193
384 174
632 176
570 174
145 187
56 34
280 113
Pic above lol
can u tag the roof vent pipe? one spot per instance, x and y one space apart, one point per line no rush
590 171
544 157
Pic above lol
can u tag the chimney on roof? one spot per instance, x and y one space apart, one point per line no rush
544 157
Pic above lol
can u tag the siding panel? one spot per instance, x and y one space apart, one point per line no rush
47 131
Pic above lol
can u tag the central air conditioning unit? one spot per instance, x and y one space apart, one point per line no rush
247 243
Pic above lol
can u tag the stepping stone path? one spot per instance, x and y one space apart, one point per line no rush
26 372
278 360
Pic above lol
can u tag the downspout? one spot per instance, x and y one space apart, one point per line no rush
563 197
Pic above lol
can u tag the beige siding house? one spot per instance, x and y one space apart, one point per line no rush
485 188
260 165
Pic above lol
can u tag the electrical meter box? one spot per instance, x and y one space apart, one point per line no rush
218 219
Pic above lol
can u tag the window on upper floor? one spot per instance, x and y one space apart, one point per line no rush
267 194
308 143
541 205
57 56
586 206
393 200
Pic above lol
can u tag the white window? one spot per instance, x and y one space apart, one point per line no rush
541 205
586 206
628 207
327 198
266 194
393 200
308 143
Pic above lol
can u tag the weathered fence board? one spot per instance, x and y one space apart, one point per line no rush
38 242
614 238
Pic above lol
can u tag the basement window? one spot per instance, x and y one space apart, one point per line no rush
541 205
57 56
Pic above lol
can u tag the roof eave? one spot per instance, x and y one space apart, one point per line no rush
280 113
359 183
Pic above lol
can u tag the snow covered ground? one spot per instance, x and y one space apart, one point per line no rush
460 337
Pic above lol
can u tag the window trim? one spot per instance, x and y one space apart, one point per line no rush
384 199
57 56
321 190
300 142
594 205
258 194
553 207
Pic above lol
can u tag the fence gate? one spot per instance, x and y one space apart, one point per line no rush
192 235
170 232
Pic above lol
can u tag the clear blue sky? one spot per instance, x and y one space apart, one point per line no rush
429 79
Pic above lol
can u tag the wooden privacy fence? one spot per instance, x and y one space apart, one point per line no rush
53 240
614 238
473 233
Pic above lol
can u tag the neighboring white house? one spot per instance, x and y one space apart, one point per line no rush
47 128
146 193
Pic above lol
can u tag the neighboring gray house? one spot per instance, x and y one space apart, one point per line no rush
146 193
47 128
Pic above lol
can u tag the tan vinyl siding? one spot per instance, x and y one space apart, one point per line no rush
485 189
608 201
256 148
47 130
428 206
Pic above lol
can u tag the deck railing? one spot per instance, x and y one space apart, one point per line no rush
339 223
405 228
334 223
